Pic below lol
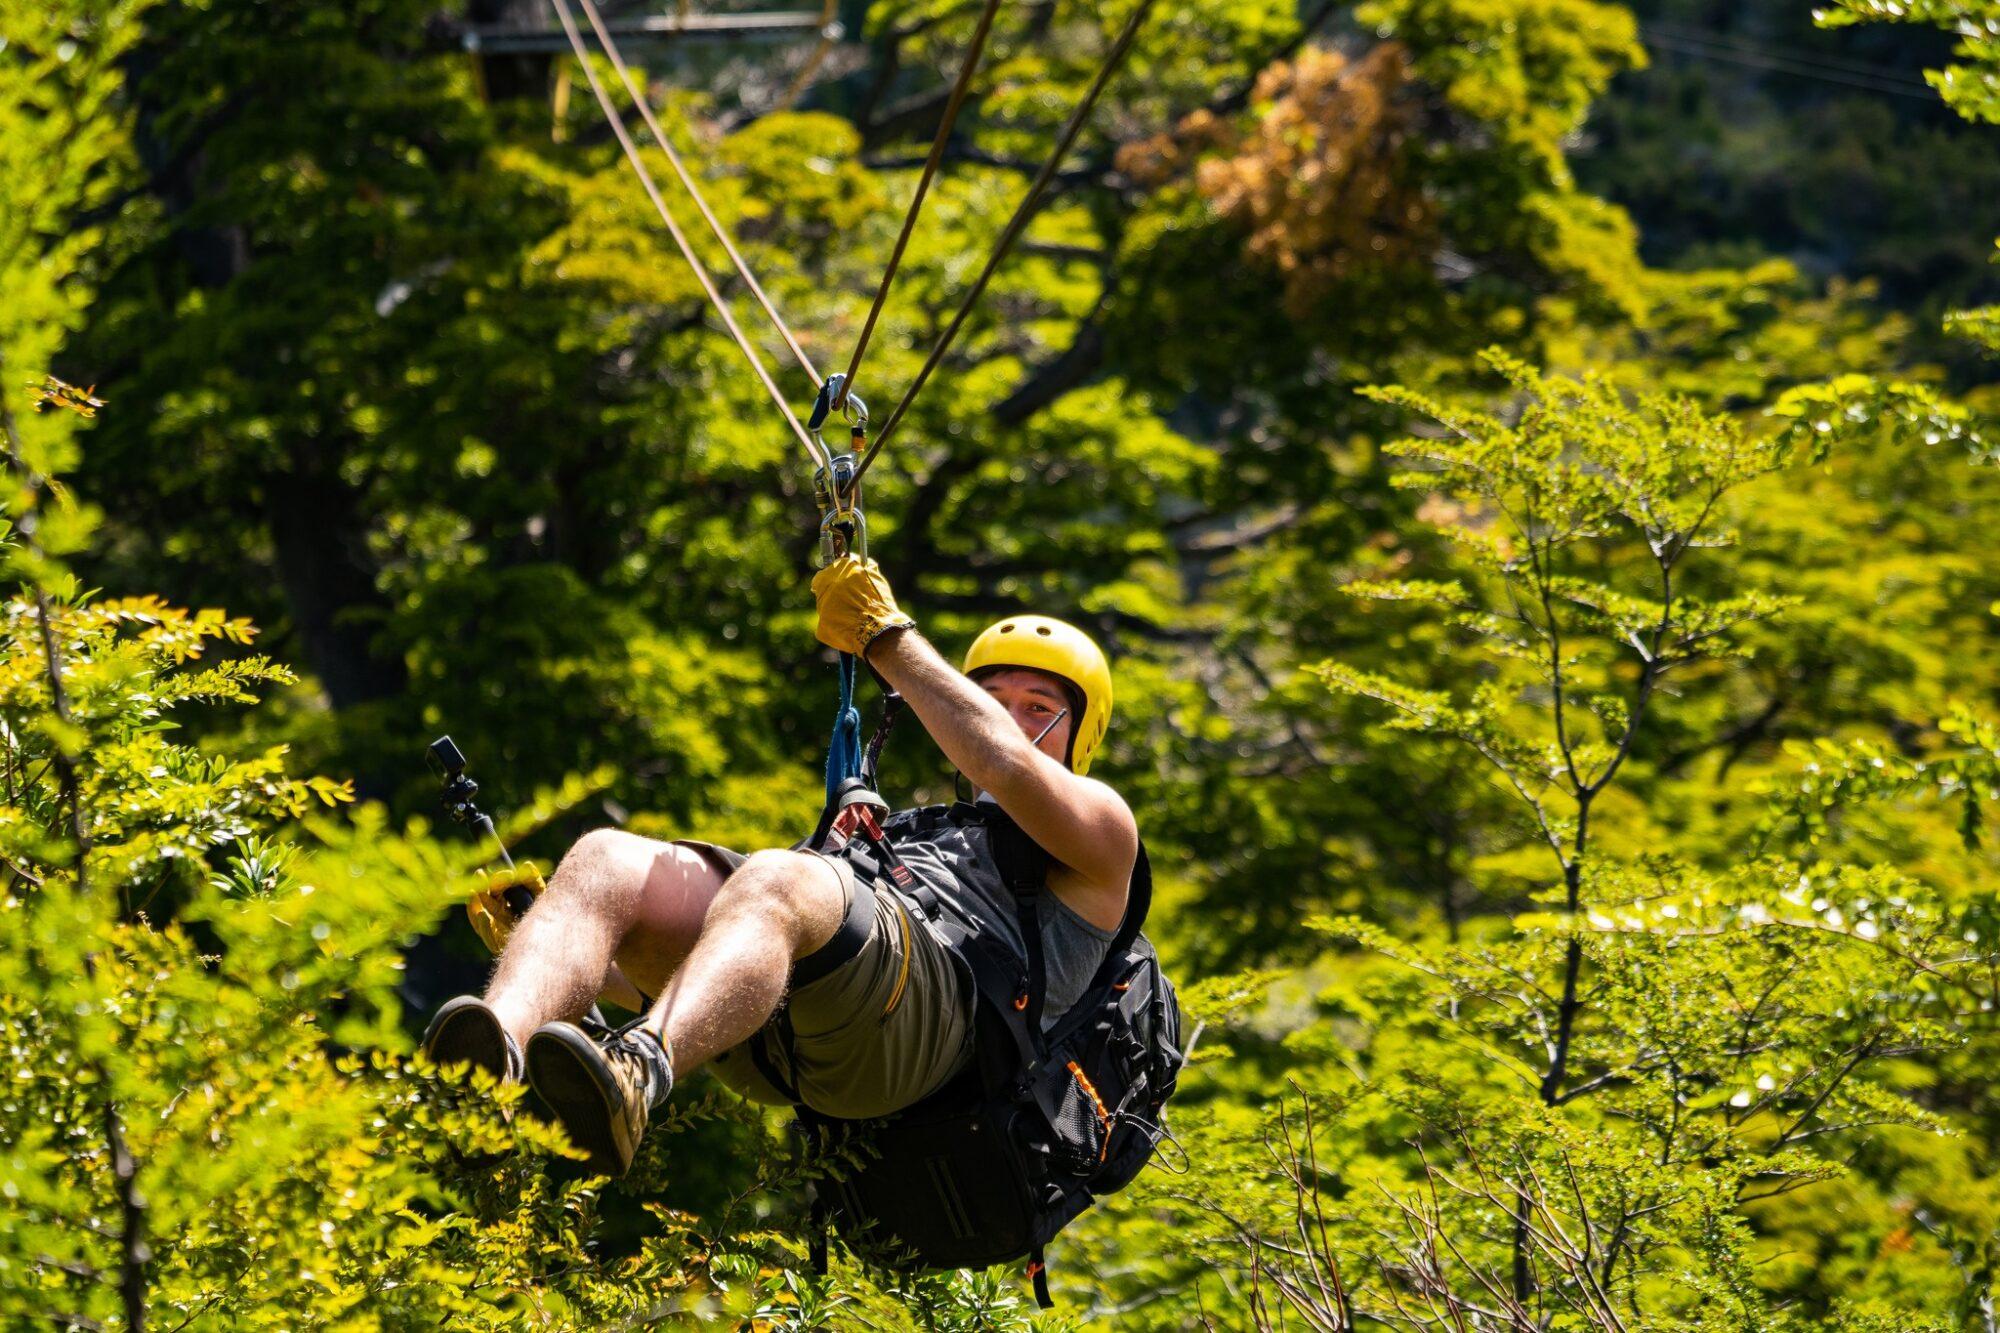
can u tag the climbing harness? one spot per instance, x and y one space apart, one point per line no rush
1041 1123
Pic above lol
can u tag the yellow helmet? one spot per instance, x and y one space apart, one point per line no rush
1040 643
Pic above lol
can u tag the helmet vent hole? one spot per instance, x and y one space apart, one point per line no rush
1007 629
1042 630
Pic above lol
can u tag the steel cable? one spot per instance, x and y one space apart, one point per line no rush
1015 226
1850 74
694 192
680 238
957 99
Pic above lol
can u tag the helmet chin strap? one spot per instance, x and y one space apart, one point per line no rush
1043 734
1040 736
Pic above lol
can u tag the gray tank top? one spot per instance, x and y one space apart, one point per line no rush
955 859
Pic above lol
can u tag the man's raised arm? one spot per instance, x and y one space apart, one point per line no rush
1080 822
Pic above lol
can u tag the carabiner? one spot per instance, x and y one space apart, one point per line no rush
842 527
854 410
829 393
842 534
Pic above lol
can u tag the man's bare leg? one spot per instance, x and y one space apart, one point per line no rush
614 895
778 908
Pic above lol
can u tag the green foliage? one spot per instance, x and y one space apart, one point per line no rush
62 165
1902 413
1971 87
1595 1101
211 1120
1748 139
1570 820
1573 517
1533 68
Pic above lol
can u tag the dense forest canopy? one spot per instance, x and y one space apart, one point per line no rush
1530 463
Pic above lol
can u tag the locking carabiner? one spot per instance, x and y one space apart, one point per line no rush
842 533
842 528
833 394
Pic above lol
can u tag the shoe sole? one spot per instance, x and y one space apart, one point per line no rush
465 1032
571 1075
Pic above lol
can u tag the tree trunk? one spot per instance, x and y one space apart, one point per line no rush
316 523
329 578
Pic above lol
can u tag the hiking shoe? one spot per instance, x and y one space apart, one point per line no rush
601 1088
465 1032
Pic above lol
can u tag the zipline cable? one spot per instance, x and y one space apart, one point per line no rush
958 92
680 238
1817 60
694 192
1015 226
1888 83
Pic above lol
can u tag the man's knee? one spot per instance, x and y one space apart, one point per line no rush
605 872
796 894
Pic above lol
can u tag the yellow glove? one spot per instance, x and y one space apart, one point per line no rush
855 605
488 909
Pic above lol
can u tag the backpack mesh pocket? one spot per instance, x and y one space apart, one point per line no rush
1082 1122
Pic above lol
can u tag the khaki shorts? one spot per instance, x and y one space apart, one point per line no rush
876 1020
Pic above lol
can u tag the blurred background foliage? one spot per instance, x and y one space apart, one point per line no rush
405 381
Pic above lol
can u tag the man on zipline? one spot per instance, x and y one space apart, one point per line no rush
877 1013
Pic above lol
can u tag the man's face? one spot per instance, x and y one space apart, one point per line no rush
1033 699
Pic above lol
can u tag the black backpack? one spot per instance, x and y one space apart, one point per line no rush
989 1168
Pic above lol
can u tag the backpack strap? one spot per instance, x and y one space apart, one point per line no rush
996 974
1037 980
779 1029
1138 902
1038 1273
1024 866
1024 869
997 979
